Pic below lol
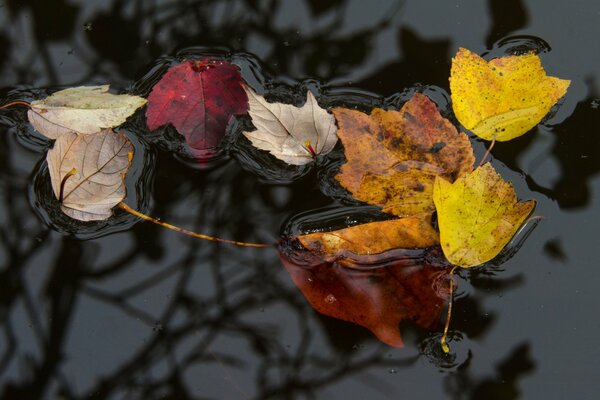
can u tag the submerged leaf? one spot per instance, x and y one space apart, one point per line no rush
292 134
377 298
373 238
86 172
503 98
477 215
198 98
84 110
393 157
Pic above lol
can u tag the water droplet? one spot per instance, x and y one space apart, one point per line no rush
310 279
596 103
392 370
330 299
87 26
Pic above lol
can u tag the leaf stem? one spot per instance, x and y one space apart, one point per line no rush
15 103
69 174
443 343
487 153
145 217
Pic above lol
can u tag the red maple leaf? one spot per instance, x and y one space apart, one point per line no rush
198 98
376 298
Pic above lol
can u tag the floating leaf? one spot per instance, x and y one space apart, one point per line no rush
376 298
393 157
477 215
84 110
292 134
503 98
198 98
373 238
87 172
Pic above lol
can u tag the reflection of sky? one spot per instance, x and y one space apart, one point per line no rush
554 310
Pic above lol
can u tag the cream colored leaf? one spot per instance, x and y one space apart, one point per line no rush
84 109
88 171
292 134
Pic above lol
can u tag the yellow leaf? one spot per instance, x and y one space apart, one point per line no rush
503 98
477 215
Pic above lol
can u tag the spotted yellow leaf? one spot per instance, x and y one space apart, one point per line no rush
503 98
478 214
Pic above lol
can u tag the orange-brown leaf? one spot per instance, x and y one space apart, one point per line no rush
393 156
373 238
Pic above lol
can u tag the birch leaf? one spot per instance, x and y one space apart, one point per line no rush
478 214
503 98
87 173
294 135
84 110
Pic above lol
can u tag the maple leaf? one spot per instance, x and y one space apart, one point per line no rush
375 298
83 110
199 99
477 215
86 172
393 157
503 98
292 134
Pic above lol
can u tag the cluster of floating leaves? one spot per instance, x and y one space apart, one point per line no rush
410 162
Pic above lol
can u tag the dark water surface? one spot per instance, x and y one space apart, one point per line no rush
128 310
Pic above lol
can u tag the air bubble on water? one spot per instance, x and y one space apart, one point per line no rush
330 299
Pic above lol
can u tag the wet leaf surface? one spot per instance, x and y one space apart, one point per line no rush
198 98
83 110
477 215
375 298
503 98
372 238
393 157
292 134
86 172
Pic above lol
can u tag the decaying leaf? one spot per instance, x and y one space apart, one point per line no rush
84 110
87 173
503 98
198 98
376 298
393 157
292 134
477 215
414 232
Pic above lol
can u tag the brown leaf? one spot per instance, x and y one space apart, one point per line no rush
393 157
87 172
377 298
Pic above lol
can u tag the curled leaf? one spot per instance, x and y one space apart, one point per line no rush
292 134
84 109
198 98
86 172
393 157
478 214
503 98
